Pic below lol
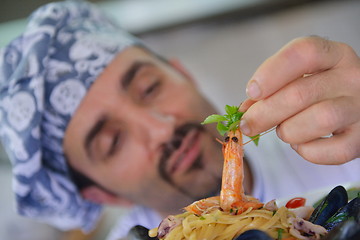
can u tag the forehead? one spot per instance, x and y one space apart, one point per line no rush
121 64
105 91
111 79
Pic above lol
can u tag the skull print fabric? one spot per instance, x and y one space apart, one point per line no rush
44 75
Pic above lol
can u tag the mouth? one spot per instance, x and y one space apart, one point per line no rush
182 159
182 153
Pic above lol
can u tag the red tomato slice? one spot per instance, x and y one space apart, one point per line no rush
296 202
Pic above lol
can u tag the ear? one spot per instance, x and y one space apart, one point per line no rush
98 195
175 63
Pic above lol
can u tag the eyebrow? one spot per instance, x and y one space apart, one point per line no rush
131 73
100 123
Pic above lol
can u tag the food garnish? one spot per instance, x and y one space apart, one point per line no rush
229 121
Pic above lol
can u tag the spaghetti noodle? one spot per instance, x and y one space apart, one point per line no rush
226 226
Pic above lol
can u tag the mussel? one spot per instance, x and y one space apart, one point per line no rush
336 199
139 233
347 230
350 210
253 235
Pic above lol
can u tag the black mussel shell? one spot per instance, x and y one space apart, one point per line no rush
253 235
347 230
139 233
350 210
336 199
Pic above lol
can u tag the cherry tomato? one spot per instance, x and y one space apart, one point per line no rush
296 202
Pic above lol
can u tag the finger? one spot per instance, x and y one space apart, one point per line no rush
319 120
338 149
292 99
301 56
244 106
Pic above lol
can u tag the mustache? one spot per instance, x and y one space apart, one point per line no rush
174 144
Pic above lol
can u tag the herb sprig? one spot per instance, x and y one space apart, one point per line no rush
229 121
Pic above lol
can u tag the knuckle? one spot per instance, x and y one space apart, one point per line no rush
280 133
305 46
308 50
295 51
302 92
348 50
285 134
324 44
327 117
296 96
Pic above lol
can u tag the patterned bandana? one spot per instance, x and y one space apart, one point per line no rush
44 74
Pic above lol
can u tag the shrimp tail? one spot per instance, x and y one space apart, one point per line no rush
204 206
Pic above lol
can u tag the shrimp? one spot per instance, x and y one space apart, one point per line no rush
232 197
204 206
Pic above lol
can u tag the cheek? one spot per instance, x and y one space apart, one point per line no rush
199 106
129 172
185 99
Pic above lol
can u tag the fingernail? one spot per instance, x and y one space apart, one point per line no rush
253 90
240 107
244 127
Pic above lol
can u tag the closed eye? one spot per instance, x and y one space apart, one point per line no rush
152 89
114 144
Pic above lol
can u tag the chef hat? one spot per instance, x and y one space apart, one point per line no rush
44 75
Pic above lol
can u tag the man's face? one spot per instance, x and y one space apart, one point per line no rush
137 134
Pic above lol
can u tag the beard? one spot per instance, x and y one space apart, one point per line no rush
197 166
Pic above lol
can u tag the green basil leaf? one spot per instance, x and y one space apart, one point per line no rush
222 128
228 122
230 110
214 118
236 117
234 125
256 139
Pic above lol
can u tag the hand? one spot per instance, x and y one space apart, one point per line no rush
309 89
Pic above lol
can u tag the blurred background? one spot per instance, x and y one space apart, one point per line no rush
220 42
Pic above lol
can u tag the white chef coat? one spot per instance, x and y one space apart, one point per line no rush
280 172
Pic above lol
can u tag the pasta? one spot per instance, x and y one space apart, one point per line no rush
226 226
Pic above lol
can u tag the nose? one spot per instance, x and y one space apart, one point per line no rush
153 127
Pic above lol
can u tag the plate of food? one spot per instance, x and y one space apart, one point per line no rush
329 214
